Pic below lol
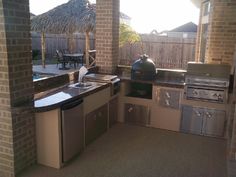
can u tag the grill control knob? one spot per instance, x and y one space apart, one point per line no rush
195 92
219 96
215 95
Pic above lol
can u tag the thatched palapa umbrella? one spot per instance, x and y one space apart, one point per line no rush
68 18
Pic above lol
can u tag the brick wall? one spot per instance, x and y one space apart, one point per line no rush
231 149
222 32
107 35
221 41
17 126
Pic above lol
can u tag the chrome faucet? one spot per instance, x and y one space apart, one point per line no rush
82 71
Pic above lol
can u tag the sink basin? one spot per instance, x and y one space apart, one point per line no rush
82 85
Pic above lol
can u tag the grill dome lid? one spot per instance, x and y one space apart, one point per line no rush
143 68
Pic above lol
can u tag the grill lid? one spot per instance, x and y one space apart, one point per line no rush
143 69
220 71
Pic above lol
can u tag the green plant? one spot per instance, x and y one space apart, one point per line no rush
127 35
35 54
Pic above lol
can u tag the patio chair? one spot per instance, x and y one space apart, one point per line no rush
61 59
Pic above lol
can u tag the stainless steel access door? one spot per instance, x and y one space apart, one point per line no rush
72 129
192 119
137 114
214 121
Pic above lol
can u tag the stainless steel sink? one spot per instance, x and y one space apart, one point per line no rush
82 85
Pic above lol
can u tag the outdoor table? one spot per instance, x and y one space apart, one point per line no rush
74 57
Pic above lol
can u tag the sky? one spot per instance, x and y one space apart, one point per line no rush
146 15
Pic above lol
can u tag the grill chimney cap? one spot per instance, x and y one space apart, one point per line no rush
144 57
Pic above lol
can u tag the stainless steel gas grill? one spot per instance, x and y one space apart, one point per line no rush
207 82
205 100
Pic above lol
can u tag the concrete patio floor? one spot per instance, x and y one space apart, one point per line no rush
133 151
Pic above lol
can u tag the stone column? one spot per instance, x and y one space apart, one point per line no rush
222 32
107 35
17 125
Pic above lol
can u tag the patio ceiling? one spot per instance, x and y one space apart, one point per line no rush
197 3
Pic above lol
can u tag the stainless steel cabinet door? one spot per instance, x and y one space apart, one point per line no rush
137 114
113 111
90 127
72 132
96 123
213 123
102 118
192 119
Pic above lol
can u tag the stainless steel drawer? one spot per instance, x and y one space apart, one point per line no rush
169 98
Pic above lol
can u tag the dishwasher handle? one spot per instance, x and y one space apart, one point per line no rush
71 104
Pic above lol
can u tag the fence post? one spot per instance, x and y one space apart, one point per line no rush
43 46
87 48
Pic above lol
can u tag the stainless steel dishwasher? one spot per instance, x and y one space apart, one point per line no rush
72 129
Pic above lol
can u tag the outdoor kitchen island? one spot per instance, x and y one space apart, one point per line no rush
69 118
194 101
160 105
156 103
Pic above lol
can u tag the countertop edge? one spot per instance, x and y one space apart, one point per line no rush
57 105
155 82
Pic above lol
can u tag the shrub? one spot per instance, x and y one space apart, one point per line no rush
35 54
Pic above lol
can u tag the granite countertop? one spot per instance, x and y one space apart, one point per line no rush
157 82
54 98
57 97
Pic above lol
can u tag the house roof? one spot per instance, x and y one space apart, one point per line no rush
32 15
124 16
188 27
70 17
73 16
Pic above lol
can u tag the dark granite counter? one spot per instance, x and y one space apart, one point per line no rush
164 77
53 99
157 82
57 97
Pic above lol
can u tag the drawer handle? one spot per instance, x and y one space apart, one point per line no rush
198 113
208 115
130 109
167 102
167 95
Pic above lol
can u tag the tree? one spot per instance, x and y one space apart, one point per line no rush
127 35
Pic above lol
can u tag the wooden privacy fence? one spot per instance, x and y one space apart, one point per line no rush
166 52
61 42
